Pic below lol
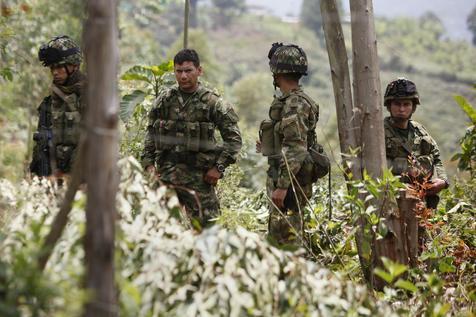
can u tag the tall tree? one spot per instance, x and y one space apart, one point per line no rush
366 84
101 37
311 16
361 124
347 120
471 22
368 101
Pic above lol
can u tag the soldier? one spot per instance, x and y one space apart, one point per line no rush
411 151
181 141
61 112
285 139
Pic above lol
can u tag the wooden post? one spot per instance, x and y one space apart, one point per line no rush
100 37
185 23
367 94
338 61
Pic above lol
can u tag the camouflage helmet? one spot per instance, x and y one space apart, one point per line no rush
287 59
59 51
401 88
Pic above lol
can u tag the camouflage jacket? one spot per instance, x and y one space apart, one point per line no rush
184 131
61 115
423 148
294 116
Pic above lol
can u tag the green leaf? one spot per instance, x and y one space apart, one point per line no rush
383 275
129 103
163 68
6 73
446 266
467 107
406 285
138 72
394 268
135 77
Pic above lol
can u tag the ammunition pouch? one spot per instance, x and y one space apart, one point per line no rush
266 137
64 157
66 127
269 138
72 127
320 162
192 136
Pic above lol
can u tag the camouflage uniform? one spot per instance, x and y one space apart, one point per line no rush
181 141
412 148
61 112
285 140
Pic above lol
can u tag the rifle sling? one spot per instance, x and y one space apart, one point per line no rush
62 95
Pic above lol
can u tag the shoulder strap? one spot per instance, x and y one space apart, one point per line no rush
63 97
314 105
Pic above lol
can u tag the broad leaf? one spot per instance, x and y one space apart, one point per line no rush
467 107
406 285
383 275
129 103
141 73
163 68
395 269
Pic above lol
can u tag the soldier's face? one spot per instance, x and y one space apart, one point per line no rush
401 108
187 76
60 74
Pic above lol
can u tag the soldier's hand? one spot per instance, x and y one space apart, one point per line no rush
151 169
258 146
278 196
212 176
152 172
435 187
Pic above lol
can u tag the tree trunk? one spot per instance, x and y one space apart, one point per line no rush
185 23
346 118
100 37
367 98
367 93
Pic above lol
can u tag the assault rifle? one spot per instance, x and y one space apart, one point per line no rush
41 161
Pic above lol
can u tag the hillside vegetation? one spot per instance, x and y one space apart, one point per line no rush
164 267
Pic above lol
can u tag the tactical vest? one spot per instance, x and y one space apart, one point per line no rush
271 139
65 125
186 126
414 152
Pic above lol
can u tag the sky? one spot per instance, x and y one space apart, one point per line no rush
453 13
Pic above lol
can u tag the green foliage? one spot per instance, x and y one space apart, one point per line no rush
471 22
227 10
253 94
311 16
467 157
147 83
24 290
165 269
406 44
155 77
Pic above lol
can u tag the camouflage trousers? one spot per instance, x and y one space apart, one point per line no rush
286 227
197 196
